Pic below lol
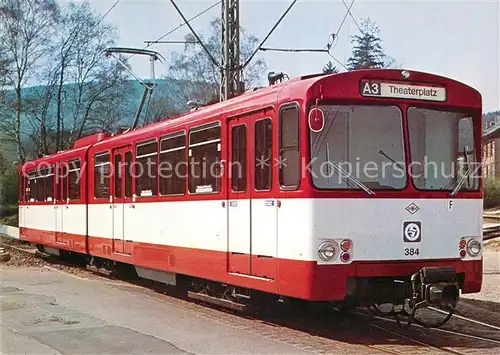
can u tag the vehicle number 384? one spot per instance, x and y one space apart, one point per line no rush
411 251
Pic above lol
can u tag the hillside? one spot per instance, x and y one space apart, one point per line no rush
165 88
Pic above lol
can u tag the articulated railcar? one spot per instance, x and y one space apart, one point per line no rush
360 186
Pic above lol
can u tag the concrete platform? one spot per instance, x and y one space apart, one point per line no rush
45 311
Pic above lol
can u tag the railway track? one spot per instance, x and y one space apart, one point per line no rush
444 334
381 330
491 232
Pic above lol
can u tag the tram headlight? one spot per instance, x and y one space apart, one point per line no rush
473 247
327 251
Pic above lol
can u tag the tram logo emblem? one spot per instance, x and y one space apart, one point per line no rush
412 232
412 208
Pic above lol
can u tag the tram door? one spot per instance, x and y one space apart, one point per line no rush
119 192
239 204
252 215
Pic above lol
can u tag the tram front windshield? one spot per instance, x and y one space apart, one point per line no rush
359 147
442 150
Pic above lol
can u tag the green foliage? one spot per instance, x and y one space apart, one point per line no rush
12 220
8 183
367 50
329 68
491 192
7 211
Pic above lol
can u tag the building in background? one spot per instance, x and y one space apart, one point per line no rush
491 148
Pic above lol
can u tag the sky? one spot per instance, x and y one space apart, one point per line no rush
458 39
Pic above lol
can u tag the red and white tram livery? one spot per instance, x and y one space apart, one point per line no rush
362 185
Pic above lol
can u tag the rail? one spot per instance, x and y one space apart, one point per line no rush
491 232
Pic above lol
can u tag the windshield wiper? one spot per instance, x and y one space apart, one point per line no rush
464 178
467 174
384 154
353 179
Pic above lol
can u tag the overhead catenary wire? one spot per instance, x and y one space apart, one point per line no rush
299 50
74 34
338 61
314 50
106 14
172 42
179 26
270 33
350 14
336 34
215 61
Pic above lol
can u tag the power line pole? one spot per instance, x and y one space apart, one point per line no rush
230 84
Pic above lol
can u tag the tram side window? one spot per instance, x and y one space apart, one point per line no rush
74 177
40 186
49 184
58 179
64 182
118 175
263 153
21 187
172 167
204 160
32 188
289 161
239 158
146 162
101 175
128 174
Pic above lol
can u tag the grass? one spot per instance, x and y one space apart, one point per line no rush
9 216
12 220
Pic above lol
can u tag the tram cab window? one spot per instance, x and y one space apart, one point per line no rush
74 176
359 144
204 160
263 153
146 162
172 167
442 149
289 160
102 172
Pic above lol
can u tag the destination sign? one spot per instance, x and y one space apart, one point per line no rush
402 91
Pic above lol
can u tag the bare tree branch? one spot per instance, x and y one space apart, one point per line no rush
25 26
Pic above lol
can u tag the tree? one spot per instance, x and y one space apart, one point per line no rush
329 68
93 100
26 27
367 51
199 76
82 92
162 106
